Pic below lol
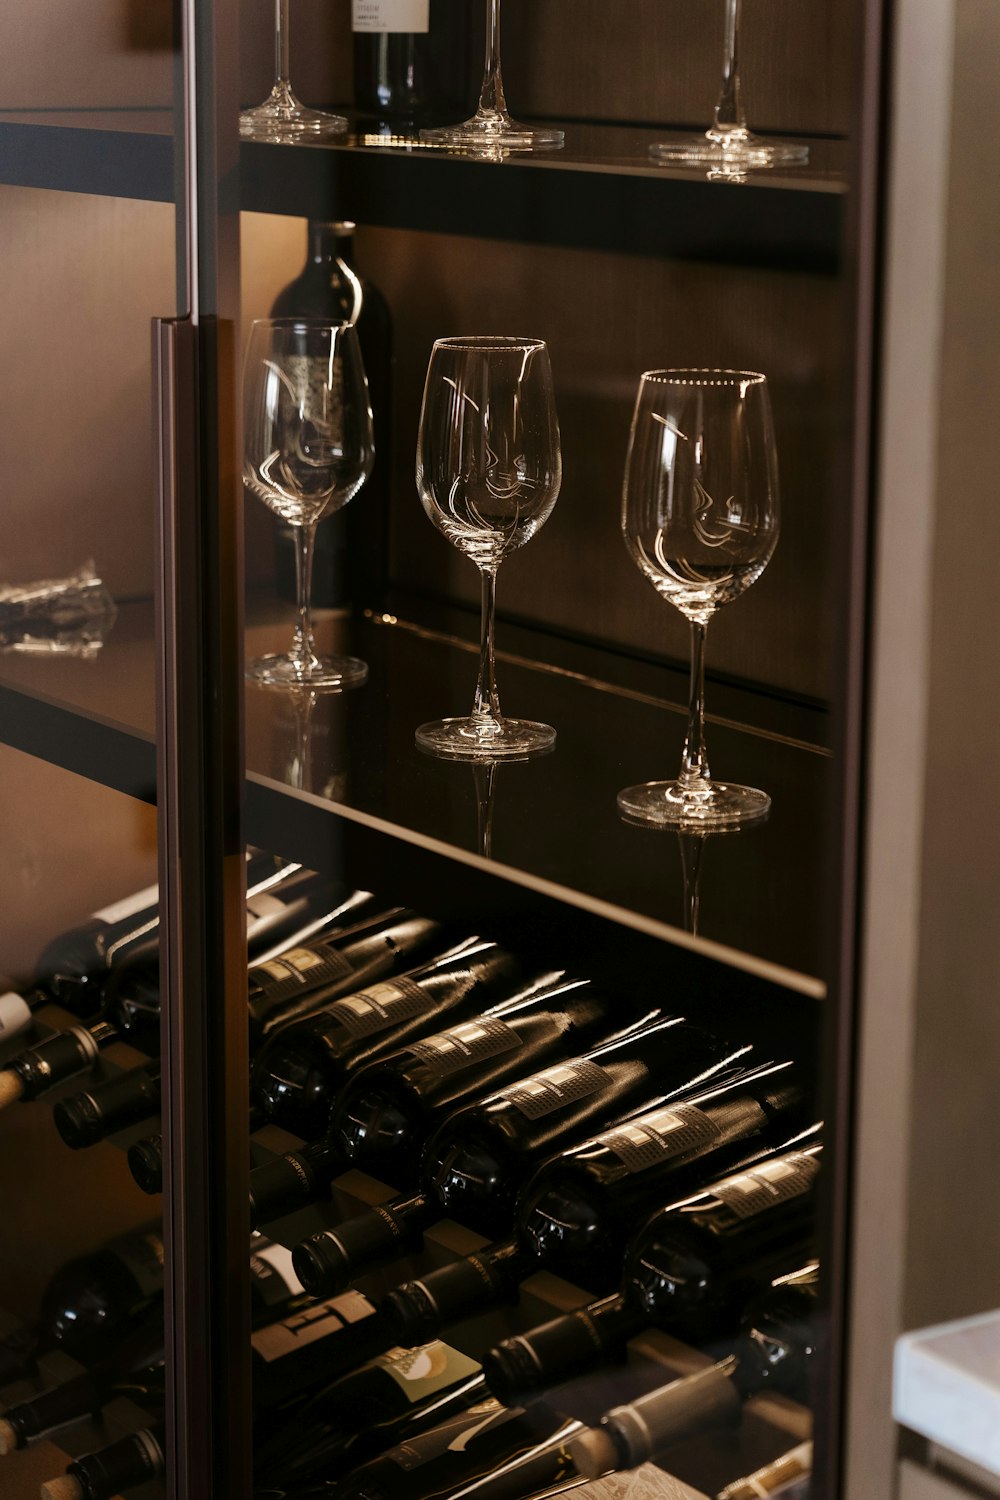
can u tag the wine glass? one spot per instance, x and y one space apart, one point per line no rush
282 119
489 468
729 145
700 518
308 449
491 131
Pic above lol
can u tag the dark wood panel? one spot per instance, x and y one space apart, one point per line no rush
640 60
660 60
607 318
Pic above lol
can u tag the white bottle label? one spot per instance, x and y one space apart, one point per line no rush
279 1259
14 1015
392 15
119 910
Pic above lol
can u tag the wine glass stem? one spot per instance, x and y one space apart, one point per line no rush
485 779
729 110
281 62
491 100
692 851
486 709
304 644
694 765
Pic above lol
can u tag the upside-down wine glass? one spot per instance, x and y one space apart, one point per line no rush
489 468
308 449
491 129
700 518
729 144
282 118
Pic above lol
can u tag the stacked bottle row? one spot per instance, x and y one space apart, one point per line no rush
625 1148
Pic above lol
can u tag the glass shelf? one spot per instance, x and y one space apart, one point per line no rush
602 191
554 823
554 820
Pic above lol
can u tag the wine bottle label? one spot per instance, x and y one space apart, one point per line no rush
318 1321
384 1005
423 1372
768 1184
120 911
659 1137
264 905
142 1256
273 1275
557 1087
15 1014
285 975
392 15
452 1436
459 1048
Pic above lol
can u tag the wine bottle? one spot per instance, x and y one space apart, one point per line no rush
92 1115
386 1113
72 968
134 1368
91 1301
351 550
388 1109
295 1343
285 982
298 1077
478 1160
282 901
576 1214
774 1350
118 1468
787 1478
488 1451
367 1411
280 988
411 60
689 1271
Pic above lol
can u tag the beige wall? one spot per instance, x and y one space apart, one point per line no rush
928 1227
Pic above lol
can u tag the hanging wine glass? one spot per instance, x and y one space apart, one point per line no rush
489 468
700 519
282 119
308 449
491 131
729 145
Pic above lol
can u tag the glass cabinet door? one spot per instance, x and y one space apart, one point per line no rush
491 1249
89 242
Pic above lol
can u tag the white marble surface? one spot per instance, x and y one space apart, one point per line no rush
947 1387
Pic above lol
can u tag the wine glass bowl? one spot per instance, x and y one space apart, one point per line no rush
489 470
308 449
700 519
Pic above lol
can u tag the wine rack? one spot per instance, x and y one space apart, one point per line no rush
548 852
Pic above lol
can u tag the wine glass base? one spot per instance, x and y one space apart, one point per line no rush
492 134
716 804
332 673
466 739
283 120
733 151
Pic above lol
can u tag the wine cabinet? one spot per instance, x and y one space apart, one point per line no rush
129 200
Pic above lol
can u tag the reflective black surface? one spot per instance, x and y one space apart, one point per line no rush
603 190
760 892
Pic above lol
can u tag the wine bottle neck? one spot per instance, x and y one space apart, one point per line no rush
329 242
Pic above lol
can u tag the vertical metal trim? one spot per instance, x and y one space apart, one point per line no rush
863 259
203 944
